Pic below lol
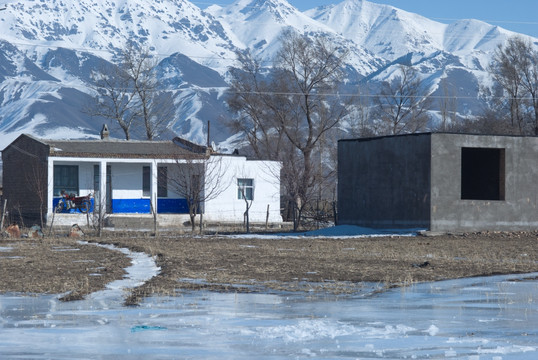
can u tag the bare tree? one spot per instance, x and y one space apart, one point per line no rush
197 179
129 95
515 69
505 72
153 106
447 106
285 114
359 117
115 98
99 215
403 103
248 199
494 119
250 94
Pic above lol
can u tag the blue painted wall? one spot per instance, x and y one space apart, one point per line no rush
139 206
131 206
143 206
172 206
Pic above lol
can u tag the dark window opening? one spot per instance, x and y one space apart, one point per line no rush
65 179
482 174
162 182
96 179
146 181
96 183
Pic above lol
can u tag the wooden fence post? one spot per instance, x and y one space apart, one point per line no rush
267 218
3 215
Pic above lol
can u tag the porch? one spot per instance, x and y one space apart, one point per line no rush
121 186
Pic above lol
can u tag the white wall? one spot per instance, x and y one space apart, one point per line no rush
85 179
174 169
127 181
227 207
223 206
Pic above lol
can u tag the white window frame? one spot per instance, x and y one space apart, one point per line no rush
243 187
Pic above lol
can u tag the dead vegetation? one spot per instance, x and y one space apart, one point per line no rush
336 265
246 265
57 266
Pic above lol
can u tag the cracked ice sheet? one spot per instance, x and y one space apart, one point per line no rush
479 318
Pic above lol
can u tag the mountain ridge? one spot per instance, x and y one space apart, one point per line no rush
48 51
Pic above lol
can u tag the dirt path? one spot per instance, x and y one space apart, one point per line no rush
240 264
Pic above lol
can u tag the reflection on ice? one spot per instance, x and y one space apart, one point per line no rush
479 318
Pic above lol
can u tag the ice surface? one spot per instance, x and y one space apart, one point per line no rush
476 318
142 269
479 318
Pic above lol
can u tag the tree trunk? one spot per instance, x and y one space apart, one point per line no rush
247 222
193 218
267 218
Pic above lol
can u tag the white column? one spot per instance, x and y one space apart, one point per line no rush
102 186
50 185
154 177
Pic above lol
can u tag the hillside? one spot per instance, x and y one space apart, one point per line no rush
48 51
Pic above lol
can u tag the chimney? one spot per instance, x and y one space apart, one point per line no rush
104 132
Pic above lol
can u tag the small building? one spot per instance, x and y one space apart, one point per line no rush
136 178
439 181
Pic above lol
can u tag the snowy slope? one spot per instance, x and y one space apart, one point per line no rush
392 32
103 26
457 54
383 29
48 50
259 23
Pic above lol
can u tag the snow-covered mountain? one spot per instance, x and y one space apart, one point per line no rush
457 54
48 50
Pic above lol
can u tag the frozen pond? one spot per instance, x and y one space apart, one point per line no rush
480 318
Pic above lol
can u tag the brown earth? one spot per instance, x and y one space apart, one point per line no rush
58 266
242 264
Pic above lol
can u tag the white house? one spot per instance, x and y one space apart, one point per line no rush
135 177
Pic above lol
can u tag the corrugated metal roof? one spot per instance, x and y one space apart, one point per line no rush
118 148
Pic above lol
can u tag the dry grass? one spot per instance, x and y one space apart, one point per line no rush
233 264
58 266
336 265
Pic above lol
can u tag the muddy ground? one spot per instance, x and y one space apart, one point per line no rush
65 266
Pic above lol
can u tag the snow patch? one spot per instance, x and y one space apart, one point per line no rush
432 330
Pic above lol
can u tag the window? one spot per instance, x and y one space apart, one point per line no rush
162 182
96 183
65 178
96 179
482 174
245 189
146 181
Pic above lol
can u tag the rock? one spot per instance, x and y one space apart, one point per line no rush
76 231
35 232
422 265
13 231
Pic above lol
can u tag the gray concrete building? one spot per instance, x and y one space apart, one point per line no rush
440 182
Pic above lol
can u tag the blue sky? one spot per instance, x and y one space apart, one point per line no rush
516 15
